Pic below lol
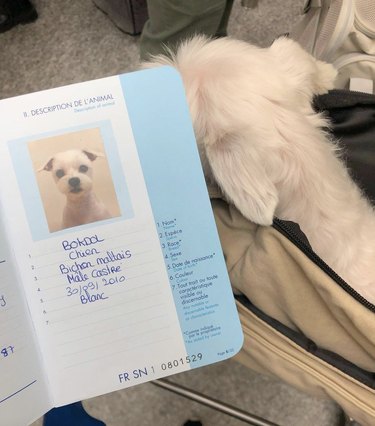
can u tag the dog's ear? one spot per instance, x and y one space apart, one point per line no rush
48 166
243 180
92 155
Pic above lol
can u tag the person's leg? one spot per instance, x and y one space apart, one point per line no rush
13 12
70 415
222 29
171 21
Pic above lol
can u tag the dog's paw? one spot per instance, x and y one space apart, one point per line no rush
325 77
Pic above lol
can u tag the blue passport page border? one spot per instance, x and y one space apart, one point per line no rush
183 215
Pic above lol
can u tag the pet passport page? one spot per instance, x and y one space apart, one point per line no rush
113 234
21 370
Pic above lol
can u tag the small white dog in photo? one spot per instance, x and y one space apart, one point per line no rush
262 143
72 171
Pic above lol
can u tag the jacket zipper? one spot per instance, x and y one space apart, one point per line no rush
293 236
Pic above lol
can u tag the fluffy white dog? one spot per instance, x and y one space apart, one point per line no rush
72 173
261 141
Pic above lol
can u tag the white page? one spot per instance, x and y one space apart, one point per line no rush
131 317
21 373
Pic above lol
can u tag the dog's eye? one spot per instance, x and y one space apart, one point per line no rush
83 168
60 173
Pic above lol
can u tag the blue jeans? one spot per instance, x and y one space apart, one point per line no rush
72 415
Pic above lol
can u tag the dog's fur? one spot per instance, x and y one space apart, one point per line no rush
261 141
72 172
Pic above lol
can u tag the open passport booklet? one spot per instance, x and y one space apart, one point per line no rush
111 270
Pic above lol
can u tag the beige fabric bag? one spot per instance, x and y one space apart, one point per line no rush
268 351
300 320
309 306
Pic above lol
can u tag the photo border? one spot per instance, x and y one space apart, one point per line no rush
28 185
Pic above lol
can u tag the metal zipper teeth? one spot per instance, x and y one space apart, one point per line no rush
292 236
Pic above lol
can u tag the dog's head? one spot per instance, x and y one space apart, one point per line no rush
72 171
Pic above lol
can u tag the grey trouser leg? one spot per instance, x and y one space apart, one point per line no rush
171 21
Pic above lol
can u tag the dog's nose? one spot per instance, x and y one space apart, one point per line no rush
74 182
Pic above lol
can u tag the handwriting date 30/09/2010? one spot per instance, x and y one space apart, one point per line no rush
94 285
